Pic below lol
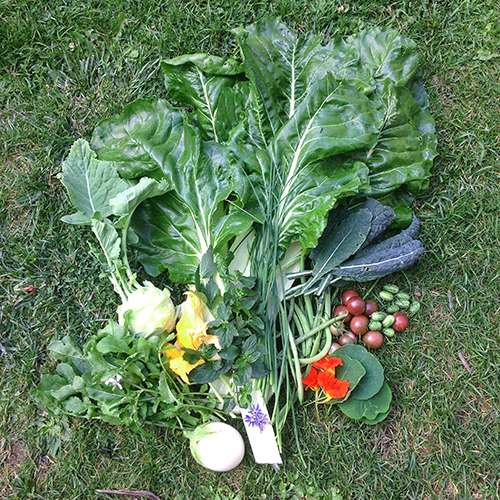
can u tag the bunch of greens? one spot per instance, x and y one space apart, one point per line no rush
118 377
239 174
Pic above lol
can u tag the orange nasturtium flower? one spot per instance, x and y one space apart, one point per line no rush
323 379
311 381
191 333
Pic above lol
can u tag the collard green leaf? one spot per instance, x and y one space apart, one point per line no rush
372 382
90 183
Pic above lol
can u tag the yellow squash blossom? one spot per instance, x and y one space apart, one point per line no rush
177 363
191 333
192 327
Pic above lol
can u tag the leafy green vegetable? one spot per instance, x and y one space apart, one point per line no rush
372 382
369 410
297 123
265 162
117 377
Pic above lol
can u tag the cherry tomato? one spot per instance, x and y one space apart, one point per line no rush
401 322
356 305
359 324
370 307
347 295
340 310
373 339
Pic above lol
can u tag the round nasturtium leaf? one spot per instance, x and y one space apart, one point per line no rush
368 409
351 370
372 382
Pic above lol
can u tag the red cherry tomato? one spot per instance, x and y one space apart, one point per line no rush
356 305
347 295
401 322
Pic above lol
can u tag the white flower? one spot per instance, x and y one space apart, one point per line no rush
115 381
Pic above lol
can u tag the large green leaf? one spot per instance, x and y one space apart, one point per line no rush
403 154
387 54
147 139
368 409
372 382
205 82
331 120
283 67
90 183
175 230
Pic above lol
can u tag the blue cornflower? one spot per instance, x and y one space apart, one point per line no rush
256 418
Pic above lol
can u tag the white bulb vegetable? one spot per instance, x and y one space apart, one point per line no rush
218 446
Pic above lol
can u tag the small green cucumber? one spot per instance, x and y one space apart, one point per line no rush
388 332
388 321
403 304
403 296
378 316
375 325
387 296
414 308
392 309
391 289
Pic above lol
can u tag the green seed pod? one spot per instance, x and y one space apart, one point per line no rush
402 304
378 316
414 308
387 296
388 321
391 289
403 296
392 309
388 332
375 325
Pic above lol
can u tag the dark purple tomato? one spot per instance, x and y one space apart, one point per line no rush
370 307
359 324
356 305
340 310
373 339
346 339
347 295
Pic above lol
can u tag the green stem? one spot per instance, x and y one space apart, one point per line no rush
322 353
318 328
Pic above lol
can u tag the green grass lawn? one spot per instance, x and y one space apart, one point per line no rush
64 66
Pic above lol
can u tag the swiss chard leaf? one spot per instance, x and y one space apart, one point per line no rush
147 139
204 82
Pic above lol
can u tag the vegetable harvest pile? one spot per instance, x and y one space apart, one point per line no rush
262 184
